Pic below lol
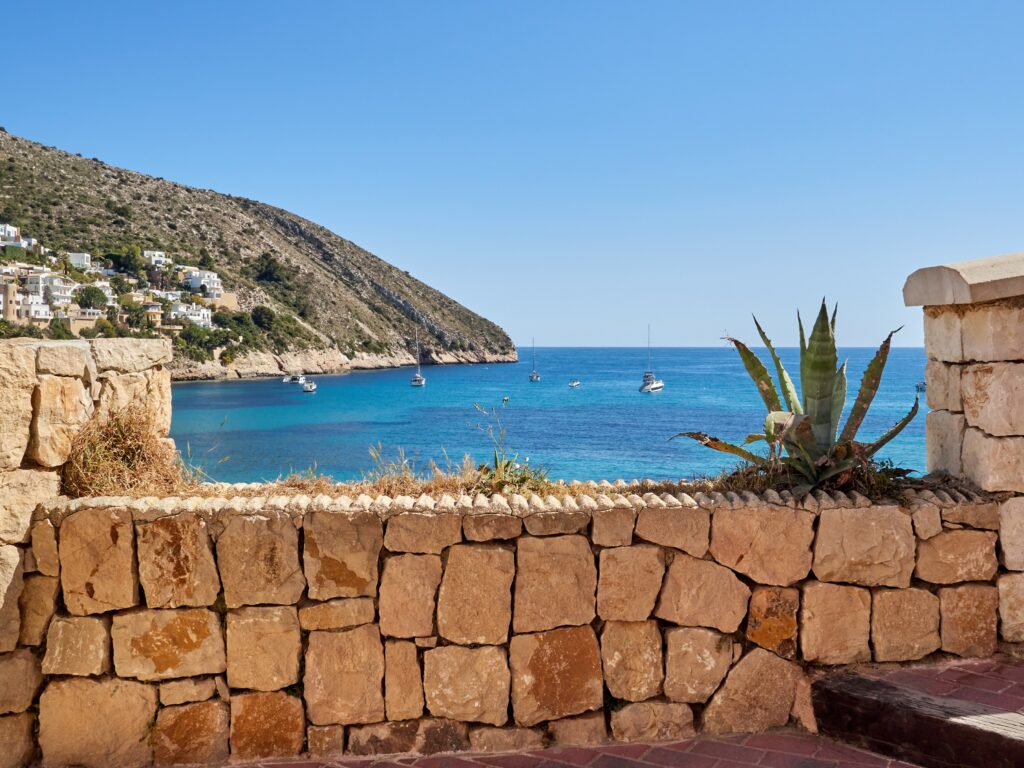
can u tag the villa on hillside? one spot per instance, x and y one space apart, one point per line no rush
194 313
204 282
82 261
157 259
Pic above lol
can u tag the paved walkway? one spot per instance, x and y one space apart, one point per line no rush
779 749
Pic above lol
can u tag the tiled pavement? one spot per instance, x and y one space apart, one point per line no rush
779 749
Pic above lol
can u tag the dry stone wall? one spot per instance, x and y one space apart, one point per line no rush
180 631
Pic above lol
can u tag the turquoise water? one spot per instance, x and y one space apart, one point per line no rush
245 431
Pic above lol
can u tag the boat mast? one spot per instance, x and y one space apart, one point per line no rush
417 351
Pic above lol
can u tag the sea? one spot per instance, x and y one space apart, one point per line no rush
257 430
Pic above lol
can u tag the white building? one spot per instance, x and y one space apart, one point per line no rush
156 258
81 261
33 307
61 287
195 313
104 285
167 295
200 279
9 232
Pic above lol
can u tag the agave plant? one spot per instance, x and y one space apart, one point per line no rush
807 428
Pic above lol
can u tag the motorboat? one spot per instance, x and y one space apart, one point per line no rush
534 376
574 383
294 379
309 386
417 379
651 383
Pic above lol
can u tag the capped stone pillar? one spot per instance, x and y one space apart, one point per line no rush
974 340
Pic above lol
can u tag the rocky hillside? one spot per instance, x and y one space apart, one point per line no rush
353 306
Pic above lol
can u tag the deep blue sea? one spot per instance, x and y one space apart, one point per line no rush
244 431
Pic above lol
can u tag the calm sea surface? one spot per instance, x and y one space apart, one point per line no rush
245 431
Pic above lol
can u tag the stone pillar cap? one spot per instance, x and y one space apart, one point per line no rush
967 282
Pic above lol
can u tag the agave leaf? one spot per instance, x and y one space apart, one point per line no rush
835 311
724 447
894 430
803 355
838 399
820 362
759 374
798 437
801 466
755 439
838 468
785 382
868 387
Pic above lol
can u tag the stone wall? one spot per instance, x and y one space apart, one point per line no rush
194 630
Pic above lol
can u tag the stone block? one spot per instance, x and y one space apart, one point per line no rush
944 436
904 624
192 734
991 398
993 332
835 623
632 659
325 741
696 662
629 582
683 528
97 561
187 690
65 358
488 739
96 723
872 546
17 381
555 523
12 582
955 556
699 593
344 676
771 545
407 593
943 386
19 671
162 644
652 721
60 408
1011 607
266 725
582 730
339 613
983 515
969 618
556 581
474 602
37 603
151 389
555 674
422 737
422 533
757 695
264 647
403 681
17 740
340 553
78 645
132 356
993 463
44 548
927 520
943 335
21 491
467 684
176 566
491 527
612 527
258 559
772 621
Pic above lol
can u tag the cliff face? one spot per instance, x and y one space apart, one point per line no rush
349 303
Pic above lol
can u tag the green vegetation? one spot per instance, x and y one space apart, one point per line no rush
91 297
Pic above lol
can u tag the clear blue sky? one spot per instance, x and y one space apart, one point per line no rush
572 170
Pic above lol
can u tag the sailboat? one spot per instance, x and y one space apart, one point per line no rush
417 379
650 383
534 376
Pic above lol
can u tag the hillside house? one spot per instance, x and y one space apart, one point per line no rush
60 287
204 282
80 260
194 313
156 259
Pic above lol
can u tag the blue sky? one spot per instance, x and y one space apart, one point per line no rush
572 170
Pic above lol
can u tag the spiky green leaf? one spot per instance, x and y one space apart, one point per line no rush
724 447
868 387
820 364
895 429
759 374
803 353
755 438
789 393
838 399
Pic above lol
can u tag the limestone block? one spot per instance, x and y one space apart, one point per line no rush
96 723
943 386
699 593
187 690
78 645
556 582
422 533
325 741
17 381
652 721
835 623
467 684
555 674
474 603
258 558
955 556
37 603
1011 607
65 358
97 561
491 527
993 332
19 671
151 390
11 585
772 622
684 528
927 520
161 644
613 527
629 583
632 660
555 523
993 463
339 613
904 624
582 730
176 566
943 335
340 553
407 592
969 619
403 681
422 737
44 548
344 675
984 514
696 662
130 356
192 734
17 740
873 546
1011 533
265 725
264 647
60 407
21 491
771 545
757 695
991 397
485 738
944 435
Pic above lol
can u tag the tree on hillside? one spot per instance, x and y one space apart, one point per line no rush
129 260
91 297
206 260
263 317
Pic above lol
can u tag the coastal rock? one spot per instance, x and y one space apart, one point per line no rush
344 675
340 553
873 546
266 725
422 533
583 730
407 592
632 661
403 681
904 624
772 621
771 545
955 556
474 603
467 684
176 566
258 558
555 583
629 583
652 721
264 646
757 695
835 623
78 645
37 603
17 740
684 528
696 662
21 491
192 734
161 644
969 619
555 674
22 678
61 406
17 381
340 613
699 593
97 561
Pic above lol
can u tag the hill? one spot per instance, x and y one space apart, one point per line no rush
337 304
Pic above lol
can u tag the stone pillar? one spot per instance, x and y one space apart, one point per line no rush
974 340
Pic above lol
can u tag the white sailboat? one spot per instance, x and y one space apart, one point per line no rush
534 376
650 383
417 379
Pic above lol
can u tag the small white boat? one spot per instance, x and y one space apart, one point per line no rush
309 386
651 383
534 376
575 383
293 379
300 379
417 379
